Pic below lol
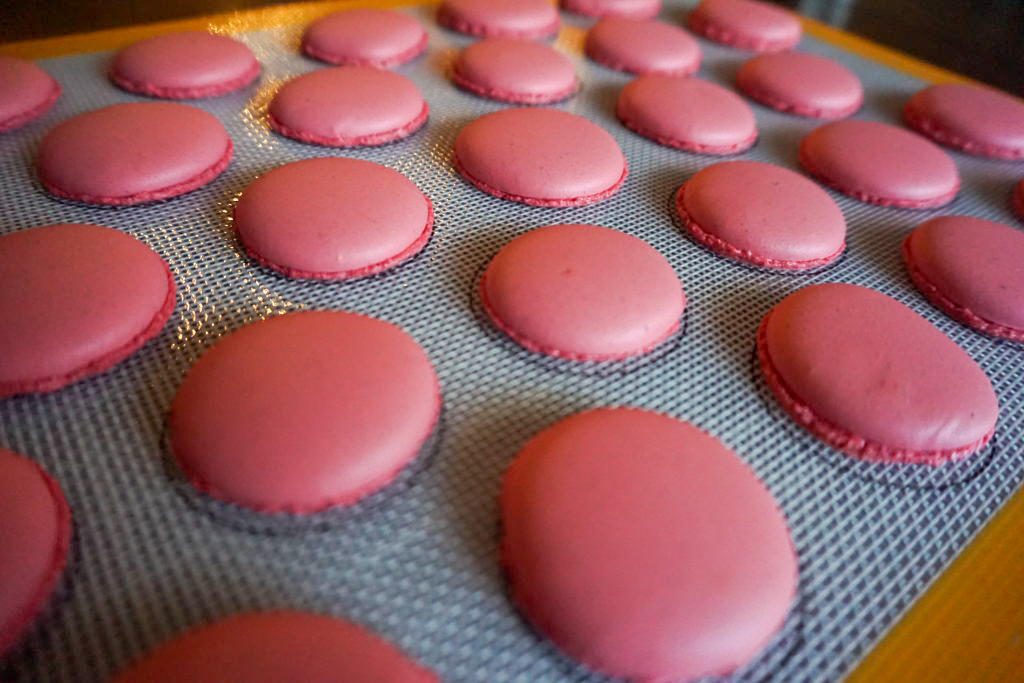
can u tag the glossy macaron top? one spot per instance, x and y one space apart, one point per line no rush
500 18
370 37
28 92
746 24
515 70
972 118
642 46
632 9
801 83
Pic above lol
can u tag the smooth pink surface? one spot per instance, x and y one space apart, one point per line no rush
633 9
372 37
688 113
550 156
642 46
190 64
746 24
801 83
272 647
348 105
332 217
305 411
515 70
583 292
35 532
972 118
28 92
875 379
880 164
973 269
644 547
500 18
764 214
75 300
133 152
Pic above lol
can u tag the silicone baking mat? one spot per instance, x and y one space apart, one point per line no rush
420 567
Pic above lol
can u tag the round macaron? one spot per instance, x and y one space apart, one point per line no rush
365 37
762 214
542 157
880 164
35 534
133 153
630 9
500 18
972 118
973 270
333 218
348 106
688 114
801 83
642 46
186 65
76 300
583 292
870 377
746 24
515 70
268 647
644 548
1017 199
303 412
28 92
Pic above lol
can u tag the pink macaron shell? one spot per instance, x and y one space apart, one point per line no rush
762 214
270 647
583 292
302 412
543 157
76 300
973 270
643 46
871 377
186 65
500 18
746 24
332 218
369 37
1017 199
348 106
801 83
28 92
972 118
35 529
631 9
515 70
688 114
880 164
132 153
644 548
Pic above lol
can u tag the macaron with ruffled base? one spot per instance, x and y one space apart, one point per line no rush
28 92
802 84
746 24
500 18
642 46
630 9
971 118
367 37
515 70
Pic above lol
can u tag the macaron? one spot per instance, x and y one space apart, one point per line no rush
515 70
644 548
583 292
365 37
631 9
332 218
28 92
348 106
642 46
688 114
186 65
971 118
284 645
133 153
500 18
762 214
35 534
971 269
880 164
746 24
76 300
303 412
870 377
542 157
801 83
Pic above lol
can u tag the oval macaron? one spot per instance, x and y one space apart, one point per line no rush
583 292
642 46
973 270
368 37
515 70
500 18
870 377
28 92
630 9
644 548
801 83
332 218
76 300
971 118
746 24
